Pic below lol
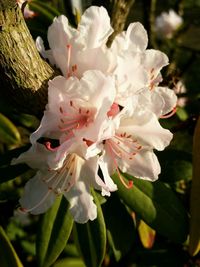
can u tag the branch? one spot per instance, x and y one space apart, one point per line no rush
23 74
119 10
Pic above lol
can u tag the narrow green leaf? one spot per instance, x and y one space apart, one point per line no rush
54 232
47 7
121 233
91 238
70 262
169 160
43 10
157 205
194 243
8 256
9 134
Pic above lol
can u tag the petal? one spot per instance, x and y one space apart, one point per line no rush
35 157
134 39
94 27
145 166
37 197
169 99
95 58
82 206
154 61
147 130
45 53
131 76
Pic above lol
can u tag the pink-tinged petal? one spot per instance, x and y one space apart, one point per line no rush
106 166
63 32
37 198
145 127
47 54
131 76
154 61
95 58
81 202
133 39
94 27
145 166
35 157
169 98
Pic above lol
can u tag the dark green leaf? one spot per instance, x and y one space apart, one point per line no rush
9 134
157 205
70 262
11 172
8 256
175 165
121 233
54 232
6 158
91 238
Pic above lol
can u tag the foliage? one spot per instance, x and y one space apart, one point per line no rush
147 225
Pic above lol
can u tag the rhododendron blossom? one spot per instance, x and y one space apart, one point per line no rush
101 117
167 23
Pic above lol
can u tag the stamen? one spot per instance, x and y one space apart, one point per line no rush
169 114
130 183
69 48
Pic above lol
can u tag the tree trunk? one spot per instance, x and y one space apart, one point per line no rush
118 10
23 74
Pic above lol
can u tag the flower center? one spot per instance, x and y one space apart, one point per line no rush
123 147
75 119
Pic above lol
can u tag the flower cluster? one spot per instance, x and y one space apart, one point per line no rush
102 115
167 23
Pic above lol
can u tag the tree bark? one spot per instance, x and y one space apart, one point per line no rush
118 10
23 74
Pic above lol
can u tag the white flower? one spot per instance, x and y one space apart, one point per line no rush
129 147
76 50
76 116
167 23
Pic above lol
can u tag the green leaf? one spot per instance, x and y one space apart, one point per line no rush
169 160
194 242
55 228
91 238
157 205
121 233
70 262
8 256
9 134
11 172
43 9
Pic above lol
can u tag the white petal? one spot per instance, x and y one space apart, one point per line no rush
147 130
37 197
134 39
154 61
35 157
45 53
82 206
145 166
169 99
105 165
94 27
